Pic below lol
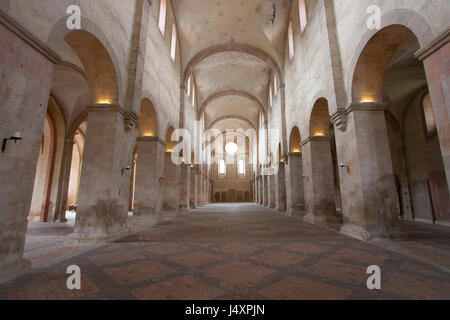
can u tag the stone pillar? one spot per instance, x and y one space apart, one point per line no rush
369 197
437 68
265 190
280 196
272 190
27 68
319 181
170 206
295 192
102 213
261 190
185 186
63 192
193 187
198 186
147 194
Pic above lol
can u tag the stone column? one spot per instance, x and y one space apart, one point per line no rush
198 185
437 68
265 190
280 196
147 194
261 190
272 190
102 213
192 191
170 189
63 192
184 185
27 68
369 197
295 192
319 181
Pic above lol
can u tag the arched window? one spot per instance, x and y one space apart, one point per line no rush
173 46
222 168
428 115
291 41
303 15
241 168
189 86
270 95
162 15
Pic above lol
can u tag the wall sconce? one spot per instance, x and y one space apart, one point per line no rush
342 165
306 178
16 137
128 168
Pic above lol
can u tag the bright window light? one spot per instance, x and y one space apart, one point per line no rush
303 16
291 41
231 148
241 167
222 168
162 15
173 46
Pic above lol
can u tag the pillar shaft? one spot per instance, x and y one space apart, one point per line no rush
24 93
105 183
63 192
319 181
149 165
369 196
280 195
295 192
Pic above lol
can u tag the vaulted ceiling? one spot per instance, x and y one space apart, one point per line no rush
232 47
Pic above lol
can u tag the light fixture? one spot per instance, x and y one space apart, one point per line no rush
148 134
367 100
128 168
231 148
16 137
342 165
319 134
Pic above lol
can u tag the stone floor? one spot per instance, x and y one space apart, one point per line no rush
231 252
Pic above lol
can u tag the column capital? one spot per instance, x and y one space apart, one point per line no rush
151 139
312 139
340 118
437 43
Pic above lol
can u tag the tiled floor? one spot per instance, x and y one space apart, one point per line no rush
230 252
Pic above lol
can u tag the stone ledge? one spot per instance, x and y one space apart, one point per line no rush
437 43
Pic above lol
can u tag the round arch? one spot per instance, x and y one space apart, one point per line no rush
102 65
406 18
232 47
319 123
232 117
222 94
148 119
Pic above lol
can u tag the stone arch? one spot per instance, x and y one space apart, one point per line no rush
319 121
322 94
295 140
232 117
96 54
407 19
148 119
232 47
219 95
170 145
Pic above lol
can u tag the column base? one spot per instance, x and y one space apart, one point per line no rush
320 220
14 270
99 237
357 232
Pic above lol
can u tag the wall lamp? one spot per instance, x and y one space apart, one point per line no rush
306 178
16 137
128 168
342 165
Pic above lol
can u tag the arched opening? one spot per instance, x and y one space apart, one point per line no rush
322 191
148 121
46 184
75 171
295 193
388 72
